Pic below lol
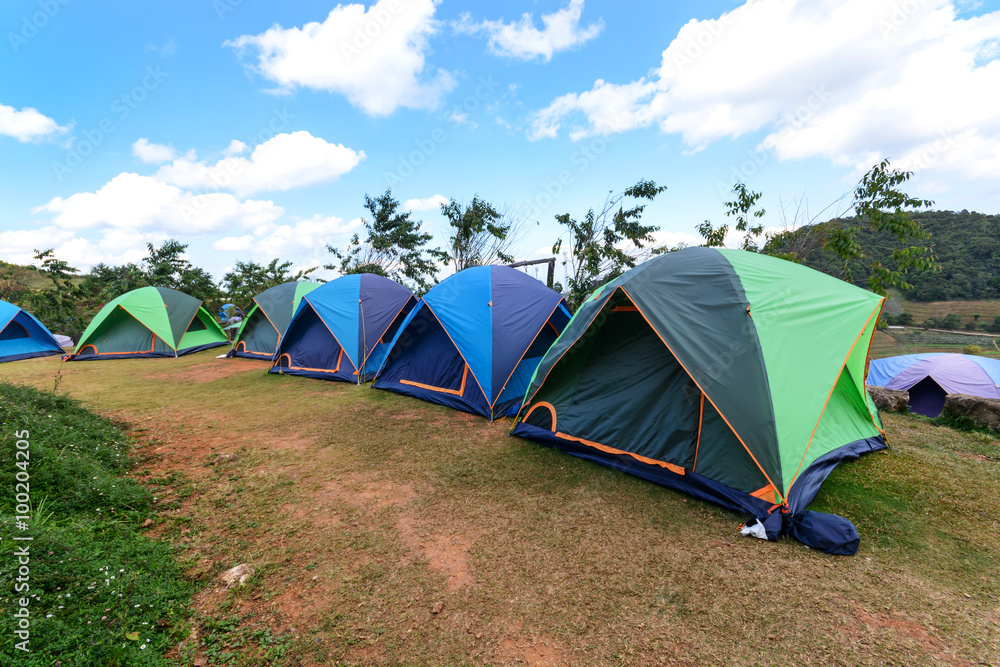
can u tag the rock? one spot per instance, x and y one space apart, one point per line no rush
237 576
438 607
147 523
889 400
200 661
982 411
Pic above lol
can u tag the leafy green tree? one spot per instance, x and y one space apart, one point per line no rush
747 220
248 279
166 267
105 282
951 321
59 305
606 243
13 282
393 246
480 233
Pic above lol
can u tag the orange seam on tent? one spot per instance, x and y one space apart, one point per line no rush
331 333
829 396
340 358
454 392
556 362
388 326
624 309
868 355
443 328
134 318
283 356
759 466
765 493
269 320
701 420
544 404
86 346
611 450
514 370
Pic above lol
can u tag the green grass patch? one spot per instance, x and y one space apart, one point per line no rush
100 593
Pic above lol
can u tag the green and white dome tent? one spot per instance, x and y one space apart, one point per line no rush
149 322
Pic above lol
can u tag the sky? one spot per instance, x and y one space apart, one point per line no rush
252 130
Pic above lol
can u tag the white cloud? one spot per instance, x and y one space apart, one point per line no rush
284 162
433 203
151 153
28 124
307 237
375 58
521 39
851 81
113 247
235 147
133 202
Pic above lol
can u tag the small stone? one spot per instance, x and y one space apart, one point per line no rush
237 576
438 607
147 523
200 661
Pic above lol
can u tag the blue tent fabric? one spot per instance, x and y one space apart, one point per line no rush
474 341
22 336
340 327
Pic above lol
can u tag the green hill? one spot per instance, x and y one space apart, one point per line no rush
967 246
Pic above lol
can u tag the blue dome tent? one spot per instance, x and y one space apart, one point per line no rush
341 327
473 342
22 336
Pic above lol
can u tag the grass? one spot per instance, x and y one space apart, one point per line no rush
924 310
914 340
100 593
361 510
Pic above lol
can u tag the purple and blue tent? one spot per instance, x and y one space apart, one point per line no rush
932 376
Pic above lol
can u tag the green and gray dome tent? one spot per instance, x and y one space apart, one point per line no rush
149 322
732 376
266 322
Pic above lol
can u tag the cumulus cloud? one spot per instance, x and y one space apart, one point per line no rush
834 80
28 124
296 239
112 247
284 162
521 39
151 153
432 203
374 57
133 202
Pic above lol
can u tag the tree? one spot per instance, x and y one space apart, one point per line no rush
480 233
880 208
166 267
394 246
58 306
248 279
740 208
605 244
13 282
105 282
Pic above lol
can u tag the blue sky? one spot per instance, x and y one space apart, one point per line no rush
253 129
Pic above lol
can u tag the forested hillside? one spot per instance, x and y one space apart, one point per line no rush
967 246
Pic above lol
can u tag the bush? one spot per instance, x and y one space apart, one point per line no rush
951 321
972 349
100 592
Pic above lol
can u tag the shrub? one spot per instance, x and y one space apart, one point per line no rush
972 349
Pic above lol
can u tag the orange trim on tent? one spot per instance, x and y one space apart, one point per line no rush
766 493
759 466
80 351
342 349
459 354
304 368
624 309
544 404
868 359
151 332
454 392
570 347
611 450
269 320
514 370
701 420
13 323
830 395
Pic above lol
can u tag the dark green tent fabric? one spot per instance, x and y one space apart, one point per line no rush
736 370
265 324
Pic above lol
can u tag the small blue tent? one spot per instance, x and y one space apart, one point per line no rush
343 326
474 341
22 336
